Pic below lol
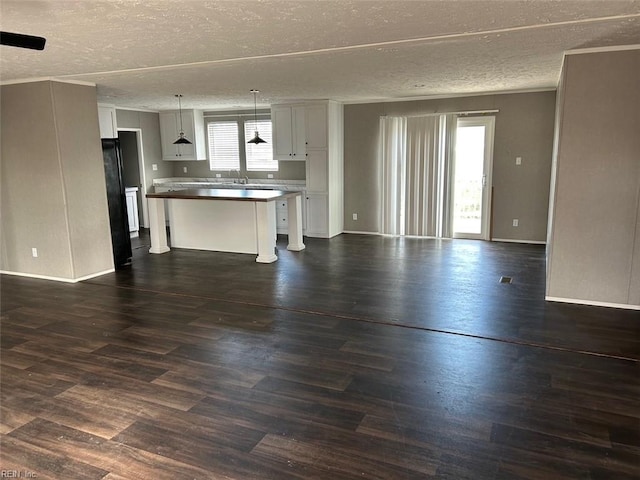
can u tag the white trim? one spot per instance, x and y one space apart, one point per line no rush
449 95
46 79
463 113
615 48
510 240
57 279
594 303
146 110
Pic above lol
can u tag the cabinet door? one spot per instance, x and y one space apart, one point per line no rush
317 171
299 133
107 122
282 132
317 215
186 151
316 116
169 131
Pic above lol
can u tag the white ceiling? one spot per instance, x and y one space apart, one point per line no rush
141 53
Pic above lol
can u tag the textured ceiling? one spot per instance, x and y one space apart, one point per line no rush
140 53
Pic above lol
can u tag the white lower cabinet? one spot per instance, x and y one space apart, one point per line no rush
282 215
317 215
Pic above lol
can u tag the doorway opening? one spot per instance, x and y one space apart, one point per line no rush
472 177
133 171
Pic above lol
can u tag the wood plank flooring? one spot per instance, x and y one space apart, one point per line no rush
361 357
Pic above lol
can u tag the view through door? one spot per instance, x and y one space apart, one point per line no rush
472 177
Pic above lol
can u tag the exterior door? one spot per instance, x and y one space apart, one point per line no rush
472 177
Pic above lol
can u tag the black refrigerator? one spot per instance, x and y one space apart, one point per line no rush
120 238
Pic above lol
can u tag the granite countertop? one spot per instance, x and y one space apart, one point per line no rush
224 194
231 183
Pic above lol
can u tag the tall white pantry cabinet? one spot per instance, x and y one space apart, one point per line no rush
313 132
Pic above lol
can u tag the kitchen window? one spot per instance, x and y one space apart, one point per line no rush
224 150
229 150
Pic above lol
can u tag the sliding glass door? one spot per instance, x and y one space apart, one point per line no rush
472 177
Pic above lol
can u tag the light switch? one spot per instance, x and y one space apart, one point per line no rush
518 160
154 167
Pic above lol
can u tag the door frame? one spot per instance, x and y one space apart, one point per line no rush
143 177
489 122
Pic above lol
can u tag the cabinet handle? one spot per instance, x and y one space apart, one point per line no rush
290 154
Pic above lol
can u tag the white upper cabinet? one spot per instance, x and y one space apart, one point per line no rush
193 124
316 126
289 132
107 121
312 131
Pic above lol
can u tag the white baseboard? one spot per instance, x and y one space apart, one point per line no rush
355 232
592 303
57 279
509 240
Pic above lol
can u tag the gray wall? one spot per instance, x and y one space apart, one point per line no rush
594 238
53 186
149 123
524 128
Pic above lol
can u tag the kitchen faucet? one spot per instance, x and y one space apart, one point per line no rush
241 181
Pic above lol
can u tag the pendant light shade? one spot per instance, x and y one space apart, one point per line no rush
256 139
182 140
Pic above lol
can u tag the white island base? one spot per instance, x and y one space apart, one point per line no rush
238 221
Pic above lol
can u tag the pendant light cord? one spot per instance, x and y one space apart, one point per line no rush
180 108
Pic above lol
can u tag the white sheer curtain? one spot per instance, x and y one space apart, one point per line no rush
417 159
393 154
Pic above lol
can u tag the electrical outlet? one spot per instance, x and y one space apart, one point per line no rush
355 216
184 169
515 222
34 252
218 175
518 160
154 167
269 175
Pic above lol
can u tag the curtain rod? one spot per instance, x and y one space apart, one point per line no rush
263 114
468 112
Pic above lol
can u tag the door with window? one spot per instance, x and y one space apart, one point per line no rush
472 177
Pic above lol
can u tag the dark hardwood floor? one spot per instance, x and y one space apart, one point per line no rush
360 357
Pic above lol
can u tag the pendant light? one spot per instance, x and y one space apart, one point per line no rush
256 139
182 140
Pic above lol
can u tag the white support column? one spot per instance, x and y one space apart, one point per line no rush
294 209
157 226
266 223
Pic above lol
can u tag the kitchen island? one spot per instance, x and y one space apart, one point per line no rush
238 221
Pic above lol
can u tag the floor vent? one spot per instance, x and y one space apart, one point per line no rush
506 279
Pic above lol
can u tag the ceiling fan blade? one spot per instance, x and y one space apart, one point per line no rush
22 41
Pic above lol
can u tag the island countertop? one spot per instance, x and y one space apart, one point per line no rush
224 194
